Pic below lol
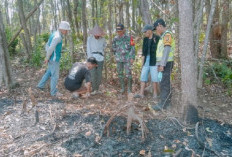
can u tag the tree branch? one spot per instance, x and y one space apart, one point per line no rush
27 17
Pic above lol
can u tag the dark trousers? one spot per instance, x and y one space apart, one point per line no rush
165 85
96 76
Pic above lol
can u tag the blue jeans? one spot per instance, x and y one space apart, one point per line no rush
53 72
146 69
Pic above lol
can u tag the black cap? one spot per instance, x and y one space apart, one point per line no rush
159 21
92 60
120 27
147 27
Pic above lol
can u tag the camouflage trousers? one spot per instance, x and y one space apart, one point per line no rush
96 76
124 66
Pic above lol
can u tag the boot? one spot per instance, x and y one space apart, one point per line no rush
129 85
122 83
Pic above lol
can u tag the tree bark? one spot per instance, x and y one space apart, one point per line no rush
120 10
5 65
144 8
224 26
215 36
133 14
7 12
76 16
200 75
93 12
53 9
188 65
84 24
128 14
23 21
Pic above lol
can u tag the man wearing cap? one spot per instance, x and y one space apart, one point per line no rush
78 73
95 48
124 55
150 43
164 59
53 55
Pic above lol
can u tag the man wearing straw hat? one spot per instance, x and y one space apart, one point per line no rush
95 48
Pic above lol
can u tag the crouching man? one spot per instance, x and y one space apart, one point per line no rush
78 73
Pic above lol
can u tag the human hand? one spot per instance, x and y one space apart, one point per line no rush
45 61
160 68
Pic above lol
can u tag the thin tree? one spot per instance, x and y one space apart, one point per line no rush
224 25
84 24
188 65
200 75
28 46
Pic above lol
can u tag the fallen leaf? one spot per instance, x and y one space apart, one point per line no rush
142 152
88 133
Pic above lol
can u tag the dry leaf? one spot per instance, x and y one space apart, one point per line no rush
210 141
142 152
88 133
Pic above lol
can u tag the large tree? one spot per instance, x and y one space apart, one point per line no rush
5 72
188 64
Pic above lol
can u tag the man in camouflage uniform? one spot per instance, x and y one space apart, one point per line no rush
124 52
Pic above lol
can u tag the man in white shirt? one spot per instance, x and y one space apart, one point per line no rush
95 48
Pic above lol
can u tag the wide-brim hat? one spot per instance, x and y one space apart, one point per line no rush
97 31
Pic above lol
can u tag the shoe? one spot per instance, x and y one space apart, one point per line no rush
95 92
75 96
122 83
58 94
42 89
138 96
161 106
129 85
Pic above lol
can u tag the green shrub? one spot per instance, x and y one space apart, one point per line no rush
12 47
66 61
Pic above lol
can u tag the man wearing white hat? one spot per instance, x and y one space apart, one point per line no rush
53 55
95 48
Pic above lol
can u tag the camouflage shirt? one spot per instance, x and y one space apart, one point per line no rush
122 49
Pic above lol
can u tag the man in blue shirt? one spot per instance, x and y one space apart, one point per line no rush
53 55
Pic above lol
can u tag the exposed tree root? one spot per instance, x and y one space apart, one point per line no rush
202 144
131 115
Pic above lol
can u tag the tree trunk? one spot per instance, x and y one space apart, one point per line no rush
188 65
7 12
144 8
84 24
197 25
62 2
6 71
93 12
72 36
24 25
120 10
128 14
200 75
96 12
133 14
76 17
215 37
224 26
53 9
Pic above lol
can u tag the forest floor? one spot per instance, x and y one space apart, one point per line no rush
47 126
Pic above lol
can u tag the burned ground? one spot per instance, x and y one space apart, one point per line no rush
79 130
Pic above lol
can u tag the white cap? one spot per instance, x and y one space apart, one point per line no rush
64 25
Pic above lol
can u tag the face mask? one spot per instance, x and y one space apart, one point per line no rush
160 75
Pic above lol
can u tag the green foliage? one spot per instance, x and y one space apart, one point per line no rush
12 48
223 71
38 54
66 61
202 37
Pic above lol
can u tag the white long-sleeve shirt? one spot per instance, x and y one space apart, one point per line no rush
56 39
96 45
